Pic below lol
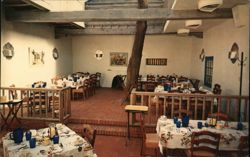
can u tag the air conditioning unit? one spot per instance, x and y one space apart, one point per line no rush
209 5
193 24
183 32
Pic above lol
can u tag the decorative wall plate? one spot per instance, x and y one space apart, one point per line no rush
8 50
55 53
233 54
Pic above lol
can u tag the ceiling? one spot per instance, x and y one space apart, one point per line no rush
174 25
121 27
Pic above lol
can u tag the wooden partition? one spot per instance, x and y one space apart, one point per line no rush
40 103
197 106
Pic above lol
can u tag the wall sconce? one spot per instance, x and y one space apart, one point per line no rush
8 50
202 55
233 54
98 54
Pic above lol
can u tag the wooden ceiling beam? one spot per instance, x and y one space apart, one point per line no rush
116 31
115 15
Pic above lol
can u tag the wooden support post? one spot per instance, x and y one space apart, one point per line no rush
135 59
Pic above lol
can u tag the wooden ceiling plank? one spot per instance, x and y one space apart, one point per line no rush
115 15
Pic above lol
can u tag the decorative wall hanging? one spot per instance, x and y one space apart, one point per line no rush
8 50
118 58
55 53
98 54
156 61
36 58
202 55
233 54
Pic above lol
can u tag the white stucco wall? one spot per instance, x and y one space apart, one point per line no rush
217 42
176 49
39 37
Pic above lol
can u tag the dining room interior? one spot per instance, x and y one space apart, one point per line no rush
142 77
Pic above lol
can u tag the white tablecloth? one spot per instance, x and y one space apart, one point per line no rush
67 138
173 138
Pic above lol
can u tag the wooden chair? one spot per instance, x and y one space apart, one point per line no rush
243 148
93 80
98 80
149 140
150 78
204 143
79 91
150 86
89 134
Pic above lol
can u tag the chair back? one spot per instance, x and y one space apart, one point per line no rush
150 86
89 134
206 142
243 146
217 89
151 78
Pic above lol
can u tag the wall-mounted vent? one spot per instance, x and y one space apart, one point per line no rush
209 5
183 32
193 24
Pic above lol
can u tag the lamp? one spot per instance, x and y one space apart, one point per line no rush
193 24
98 54
233 55
209 5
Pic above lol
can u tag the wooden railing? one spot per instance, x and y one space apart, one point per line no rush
40 103
197 106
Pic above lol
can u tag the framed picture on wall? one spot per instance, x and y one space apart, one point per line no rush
118 58
35 57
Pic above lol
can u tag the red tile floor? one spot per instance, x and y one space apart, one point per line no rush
104 105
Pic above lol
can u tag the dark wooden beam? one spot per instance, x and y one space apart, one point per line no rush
151 30
136 55
120 30
115 15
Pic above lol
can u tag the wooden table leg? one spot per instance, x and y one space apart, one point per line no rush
128 127
14 112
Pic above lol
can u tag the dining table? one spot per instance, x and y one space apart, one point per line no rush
172 137
70 144
13 108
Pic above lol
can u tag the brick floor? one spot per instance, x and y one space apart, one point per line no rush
104 105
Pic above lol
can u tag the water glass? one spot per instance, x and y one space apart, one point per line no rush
178 124
33 143
199 124
28 135
56 139
185 121
239 126
175 120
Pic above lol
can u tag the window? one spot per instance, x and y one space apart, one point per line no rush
208 71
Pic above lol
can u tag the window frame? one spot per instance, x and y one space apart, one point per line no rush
208 72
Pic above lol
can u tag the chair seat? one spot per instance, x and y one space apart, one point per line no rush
152 140
200 153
